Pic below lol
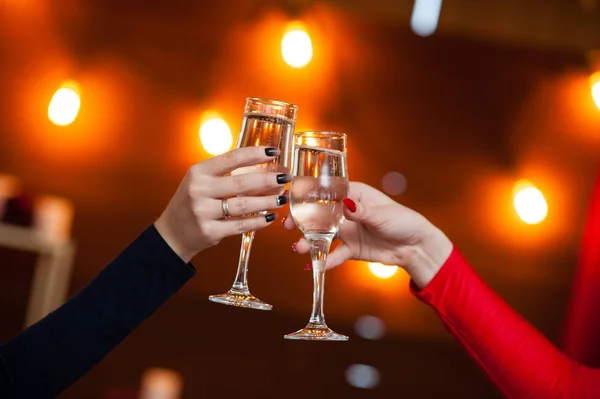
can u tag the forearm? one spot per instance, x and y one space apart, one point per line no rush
519 360
52 354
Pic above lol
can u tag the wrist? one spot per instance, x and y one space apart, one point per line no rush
427 256
168 234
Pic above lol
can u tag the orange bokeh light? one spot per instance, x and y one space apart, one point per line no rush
188 122
595 88
64 105
382 271
296 46
500 221
215 134
529 202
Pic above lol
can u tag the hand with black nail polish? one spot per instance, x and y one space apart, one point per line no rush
218 198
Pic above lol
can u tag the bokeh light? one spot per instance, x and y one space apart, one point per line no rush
362 376
425 16
64 105
381 270
296 46
215 135
370 327
393 183
161 383
529 202
595 87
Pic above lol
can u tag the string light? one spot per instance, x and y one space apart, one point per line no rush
215 134
529 202
64 105
296 46
595 87
382 271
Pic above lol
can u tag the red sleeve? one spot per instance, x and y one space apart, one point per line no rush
517 358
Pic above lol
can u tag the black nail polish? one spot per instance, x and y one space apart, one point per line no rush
270 217
283 178
282 200
271 152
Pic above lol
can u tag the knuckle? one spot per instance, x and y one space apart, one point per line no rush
196 173
204 227
231 157
242 205
192 191
195 169
238 182
240 225
198 182
198 189
214 240
210 233
269 179
200 209
258 153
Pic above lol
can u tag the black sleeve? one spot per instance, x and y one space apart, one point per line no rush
49 356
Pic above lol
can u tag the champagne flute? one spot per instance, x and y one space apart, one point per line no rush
266 123
319 185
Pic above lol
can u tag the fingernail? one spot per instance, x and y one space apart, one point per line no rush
282 200
271 151
283 178
351 205
308 267
270 217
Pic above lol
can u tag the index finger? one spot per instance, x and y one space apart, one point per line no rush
246 156
288 222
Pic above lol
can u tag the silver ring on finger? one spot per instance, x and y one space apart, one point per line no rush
225 207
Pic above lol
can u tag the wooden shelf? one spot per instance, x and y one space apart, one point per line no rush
52 272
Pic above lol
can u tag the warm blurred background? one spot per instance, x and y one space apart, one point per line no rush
448 107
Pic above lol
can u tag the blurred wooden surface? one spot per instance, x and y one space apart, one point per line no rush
52 273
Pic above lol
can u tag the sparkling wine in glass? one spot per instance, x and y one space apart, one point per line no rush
319 185
266 123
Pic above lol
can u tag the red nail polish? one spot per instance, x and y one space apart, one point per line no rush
351 205
308 267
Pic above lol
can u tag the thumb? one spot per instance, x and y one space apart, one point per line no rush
354 211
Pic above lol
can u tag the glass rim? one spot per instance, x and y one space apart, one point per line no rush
320 133
269 101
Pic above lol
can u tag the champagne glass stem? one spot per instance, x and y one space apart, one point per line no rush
241 278
319 248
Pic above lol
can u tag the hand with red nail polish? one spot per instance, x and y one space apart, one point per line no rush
378 229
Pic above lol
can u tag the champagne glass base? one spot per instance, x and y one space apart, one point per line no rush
241 300
316 332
